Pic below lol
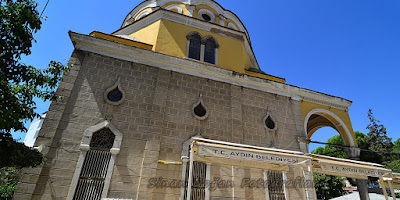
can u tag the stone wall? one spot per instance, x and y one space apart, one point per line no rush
155 120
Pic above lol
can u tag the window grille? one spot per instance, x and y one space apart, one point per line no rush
275 185
195 47
199 180
94 169
209 54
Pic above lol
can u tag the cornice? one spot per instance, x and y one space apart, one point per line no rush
186 66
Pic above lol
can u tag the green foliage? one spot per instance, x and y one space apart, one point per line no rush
396 146
394 165
328 187
333 151
15 154
377 141
20 83
8 182
377 146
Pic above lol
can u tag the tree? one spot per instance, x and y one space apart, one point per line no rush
330 150
379 144
375 147
20 83
396 146
327 186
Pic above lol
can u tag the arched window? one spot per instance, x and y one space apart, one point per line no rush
95 166
194 46
202 49
209 52
99 147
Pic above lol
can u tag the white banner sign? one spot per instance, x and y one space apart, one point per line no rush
259 156
351 171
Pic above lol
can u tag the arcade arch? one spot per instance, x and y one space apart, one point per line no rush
319 117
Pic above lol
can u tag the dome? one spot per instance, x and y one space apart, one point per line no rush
206 10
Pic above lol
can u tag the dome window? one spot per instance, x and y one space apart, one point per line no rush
206 15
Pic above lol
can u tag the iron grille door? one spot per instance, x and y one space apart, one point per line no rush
95 166
94 171
198 182
276 186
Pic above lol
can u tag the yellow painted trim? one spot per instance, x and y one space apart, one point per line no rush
264 76
169 162
121 40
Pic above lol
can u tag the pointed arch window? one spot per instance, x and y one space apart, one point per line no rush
200 48
99 147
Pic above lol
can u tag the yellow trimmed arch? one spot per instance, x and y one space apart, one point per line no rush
320 117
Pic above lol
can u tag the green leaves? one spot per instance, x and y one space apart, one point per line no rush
328 187
15 154
333 151
21 83
8 182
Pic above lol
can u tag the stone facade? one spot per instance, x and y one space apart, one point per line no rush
155 120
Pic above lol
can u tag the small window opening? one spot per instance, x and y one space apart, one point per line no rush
269 123
206 17
200 111
115 95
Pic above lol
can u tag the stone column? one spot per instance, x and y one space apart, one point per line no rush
185 160
354 154
303 143
208 179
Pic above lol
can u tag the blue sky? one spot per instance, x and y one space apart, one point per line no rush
346 48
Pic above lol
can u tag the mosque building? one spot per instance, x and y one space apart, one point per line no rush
174 105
